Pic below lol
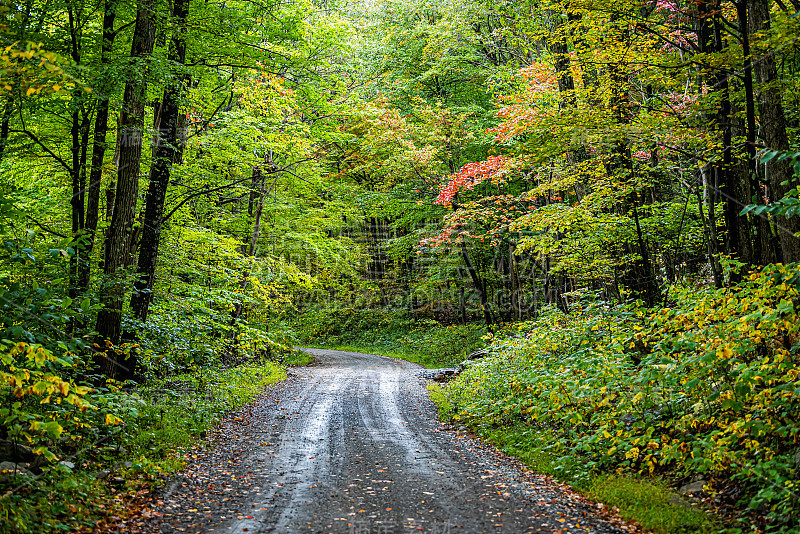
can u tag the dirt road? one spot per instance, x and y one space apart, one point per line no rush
351 445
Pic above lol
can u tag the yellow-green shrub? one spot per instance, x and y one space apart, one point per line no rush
706 385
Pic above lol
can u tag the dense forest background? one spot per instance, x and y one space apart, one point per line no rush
601 195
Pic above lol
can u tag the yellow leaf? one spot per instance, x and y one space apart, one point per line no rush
112 419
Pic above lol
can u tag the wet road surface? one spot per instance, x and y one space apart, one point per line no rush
351 445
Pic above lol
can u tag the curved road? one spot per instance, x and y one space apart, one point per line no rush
351 445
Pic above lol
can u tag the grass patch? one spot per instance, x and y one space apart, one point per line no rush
298 358
393 333
429 360
651 504
444 405
182 408
521 443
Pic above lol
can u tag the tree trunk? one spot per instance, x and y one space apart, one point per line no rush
98 148
5 121
709 225
773 129
255 209
109 320
78 194
763 252
165 155
560 51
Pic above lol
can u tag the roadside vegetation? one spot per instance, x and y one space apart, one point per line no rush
701 390
100 449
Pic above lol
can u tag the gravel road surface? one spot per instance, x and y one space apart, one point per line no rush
351 445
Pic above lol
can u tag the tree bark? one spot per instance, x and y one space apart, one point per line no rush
166 151
479 286
560 51
98 147
774 136
763 252
109 320
255 209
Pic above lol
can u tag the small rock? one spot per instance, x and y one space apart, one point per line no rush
118 480
694 487
122 465
9 468
439 378
16 451
68 465
677 501
100 475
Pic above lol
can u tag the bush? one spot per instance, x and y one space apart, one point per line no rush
137 434
37 404
707 386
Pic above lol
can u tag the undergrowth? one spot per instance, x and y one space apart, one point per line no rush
123 443
704 388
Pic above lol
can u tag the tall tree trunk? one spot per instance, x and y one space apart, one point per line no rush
5 121
763 252
98 147
706 192
741 189
77 201
773 128
622 163
78 193
109 320
165 155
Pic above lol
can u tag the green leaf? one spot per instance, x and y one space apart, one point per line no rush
768 155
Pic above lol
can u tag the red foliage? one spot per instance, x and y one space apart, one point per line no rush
472 174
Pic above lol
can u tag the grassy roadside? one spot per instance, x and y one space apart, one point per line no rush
298 358
648 502
160 423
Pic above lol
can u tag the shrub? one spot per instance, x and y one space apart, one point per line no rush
707 386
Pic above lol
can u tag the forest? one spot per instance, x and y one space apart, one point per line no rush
595 201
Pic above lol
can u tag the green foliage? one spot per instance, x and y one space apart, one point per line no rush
153 427
708 385
182 408
789 205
